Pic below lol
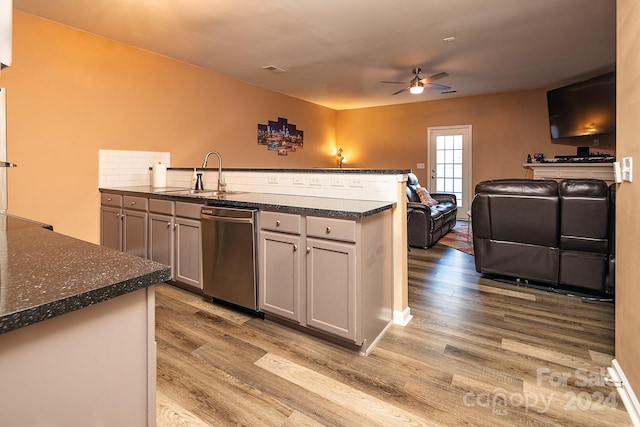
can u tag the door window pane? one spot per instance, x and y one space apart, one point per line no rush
449 165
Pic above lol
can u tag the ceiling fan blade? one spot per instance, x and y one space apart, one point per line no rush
441 87
400 91
396 83
434 77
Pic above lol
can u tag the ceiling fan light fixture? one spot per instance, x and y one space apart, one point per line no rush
416 87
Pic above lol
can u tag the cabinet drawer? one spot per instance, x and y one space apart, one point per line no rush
188 210
110 199
161 206
331 228
137 203
278 221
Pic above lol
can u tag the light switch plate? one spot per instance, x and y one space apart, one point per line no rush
617 172
627 169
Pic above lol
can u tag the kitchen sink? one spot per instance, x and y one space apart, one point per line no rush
201 193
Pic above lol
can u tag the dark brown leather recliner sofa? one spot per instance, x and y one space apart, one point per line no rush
427 224
548 232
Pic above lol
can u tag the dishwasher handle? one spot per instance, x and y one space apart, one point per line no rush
204 216
225 214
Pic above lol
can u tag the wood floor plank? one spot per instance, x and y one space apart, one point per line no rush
171 414
362 403
549 355
475 350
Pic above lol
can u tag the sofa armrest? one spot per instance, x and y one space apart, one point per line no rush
418 206
445 197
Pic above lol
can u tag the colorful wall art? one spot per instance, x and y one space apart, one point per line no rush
280 136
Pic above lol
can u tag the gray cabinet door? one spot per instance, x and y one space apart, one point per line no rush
134 233
280 275
111 227
188 252
331 287
161 239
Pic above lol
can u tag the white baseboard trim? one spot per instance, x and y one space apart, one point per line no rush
627 395
403 317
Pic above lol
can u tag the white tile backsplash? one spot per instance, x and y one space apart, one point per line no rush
365 187
124 168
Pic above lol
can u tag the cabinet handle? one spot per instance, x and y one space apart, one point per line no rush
168 224
109 199
295 248
328 230
278 223
133 203
175 226
308 250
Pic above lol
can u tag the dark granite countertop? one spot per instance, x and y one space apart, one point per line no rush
44 274
324 206
308 170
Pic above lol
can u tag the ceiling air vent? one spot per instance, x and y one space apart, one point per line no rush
273 69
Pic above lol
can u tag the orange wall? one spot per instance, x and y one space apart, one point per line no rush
70 93
505 128
628 194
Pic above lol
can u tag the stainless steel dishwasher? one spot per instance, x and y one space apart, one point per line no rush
229 261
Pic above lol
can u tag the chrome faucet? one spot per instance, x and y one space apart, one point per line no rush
222 186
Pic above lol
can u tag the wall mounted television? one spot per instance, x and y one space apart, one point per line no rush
584 108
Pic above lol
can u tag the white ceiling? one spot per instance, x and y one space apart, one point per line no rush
336 52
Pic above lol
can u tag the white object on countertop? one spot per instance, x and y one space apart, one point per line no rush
159 175
194 179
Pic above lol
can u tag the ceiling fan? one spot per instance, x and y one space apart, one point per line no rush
416 86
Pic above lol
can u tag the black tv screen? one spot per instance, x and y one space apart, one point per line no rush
584 108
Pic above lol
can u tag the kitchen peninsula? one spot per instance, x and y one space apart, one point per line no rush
339 284
76 330
125 170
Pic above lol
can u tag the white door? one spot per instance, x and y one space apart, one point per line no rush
450 164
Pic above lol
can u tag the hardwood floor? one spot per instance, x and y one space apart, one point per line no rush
477 353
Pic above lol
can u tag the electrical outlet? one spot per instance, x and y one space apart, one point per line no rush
337 182
355 182
298 180
315 181
273 179
420 166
